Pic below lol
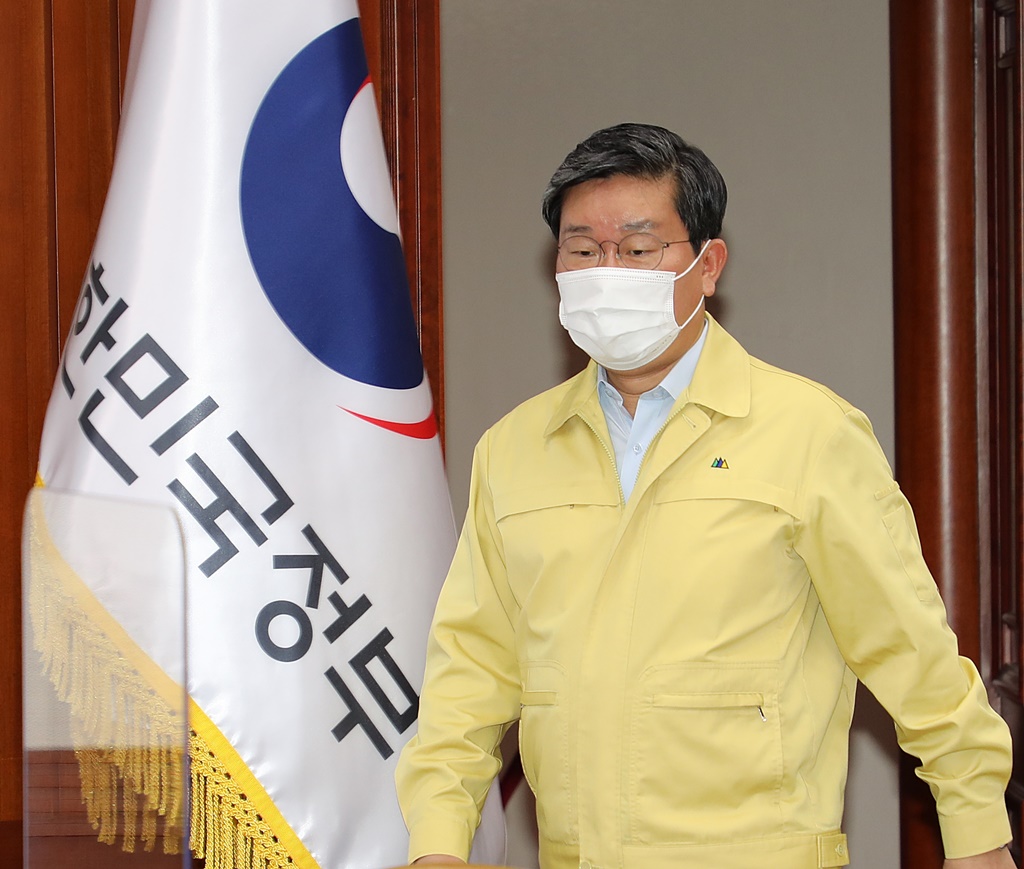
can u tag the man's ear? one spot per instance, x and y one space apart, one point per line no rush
712 262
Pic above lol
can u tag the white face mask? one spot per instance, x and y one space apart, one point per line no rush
621 318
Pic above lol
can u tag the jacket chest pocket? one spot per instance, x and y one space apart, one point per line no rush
549 533
731 493
721 541
706 753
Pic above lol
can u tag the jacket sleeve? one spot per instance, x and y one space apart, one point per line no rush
471 689
858 538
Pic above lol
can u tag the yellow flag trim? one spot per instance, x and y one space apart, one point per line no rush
104 676
234 821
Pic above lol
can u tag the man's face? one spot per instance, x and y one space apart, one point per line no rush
609 209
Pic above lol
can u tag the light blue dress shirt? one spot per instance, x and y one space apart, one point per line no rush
632 435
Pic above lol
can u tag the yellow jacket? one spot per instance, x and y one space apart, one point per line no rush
683 665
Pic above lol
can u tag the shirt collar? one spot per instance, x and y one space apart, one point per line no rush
678 377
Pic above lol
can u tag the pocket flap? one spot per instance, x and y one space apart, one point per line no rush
546 497
725 487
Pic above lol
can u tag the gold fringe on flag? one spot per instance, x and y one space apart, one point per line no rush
128 730
227 829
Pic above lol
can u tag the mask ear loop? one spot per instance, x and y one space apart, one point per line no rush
682 273
692 315
696 260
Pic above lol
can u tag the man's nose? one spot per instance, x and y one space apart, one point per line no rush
609 253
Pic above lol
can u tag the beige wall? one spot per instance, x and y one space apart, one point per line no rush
791 99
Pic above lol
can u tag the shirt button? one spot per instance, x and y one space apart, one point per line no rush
636 449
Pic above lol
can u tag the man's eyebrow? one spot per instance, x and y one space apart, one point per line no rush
632 226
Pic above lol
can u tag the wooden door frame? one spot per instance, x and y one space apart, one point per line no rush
404 52
957 383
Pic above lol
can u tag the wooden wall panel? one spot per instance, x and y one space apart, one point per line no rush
27 263
61 67
86 110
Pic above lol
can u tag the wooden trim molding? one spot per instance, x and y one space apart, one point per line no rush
958 247
933 285
1000 32
403 48
934 269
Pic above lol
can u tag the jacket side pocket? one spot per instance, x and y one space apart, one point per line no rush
544 747
706 758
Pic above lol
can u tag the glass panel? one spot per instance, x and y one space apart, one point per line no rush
105 720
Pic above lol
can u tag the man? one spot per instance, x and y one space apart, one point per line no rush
674 569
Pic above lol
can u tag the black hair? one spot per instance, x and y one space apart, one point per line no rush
649 152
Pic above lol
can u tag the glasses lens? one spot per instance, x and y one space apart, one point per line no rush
641 251
579 252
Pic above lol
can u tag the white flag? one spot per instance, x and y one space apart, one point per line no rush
244 351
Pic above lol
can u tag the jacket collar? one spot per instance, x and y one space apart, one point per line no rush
721 383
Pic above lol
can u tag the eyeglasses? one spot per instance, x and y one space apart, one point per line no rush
641 250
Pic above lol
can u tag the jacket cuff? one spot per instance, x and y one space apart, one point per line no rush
969 833
439 834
